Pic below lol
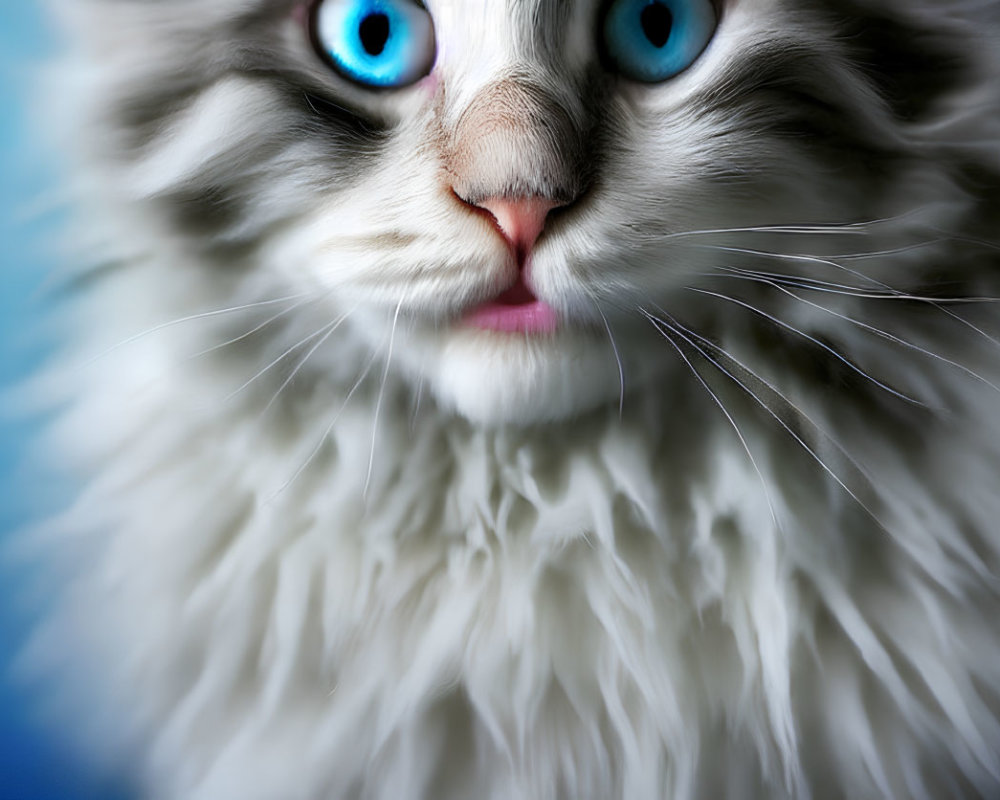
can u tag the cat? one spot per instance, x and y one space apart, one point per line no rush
532 399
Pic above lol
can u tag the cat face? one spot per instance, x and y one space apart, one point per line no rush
506 202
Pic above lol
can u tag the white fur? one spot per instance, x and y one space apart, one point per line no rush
446 564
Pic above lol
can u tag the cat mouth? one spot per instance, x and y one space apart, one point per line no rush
515 310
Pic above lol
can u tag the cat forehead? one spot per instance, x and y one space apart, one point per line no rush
518 23
479 37
485 42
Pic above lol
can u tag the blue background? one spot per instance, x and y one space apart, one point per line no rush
34 765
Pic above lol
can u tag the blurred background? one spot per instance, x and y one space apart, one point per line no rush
35 764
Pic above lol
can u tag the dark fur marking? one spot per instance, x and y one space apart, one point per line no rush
145 115
802 96
911 66
203 211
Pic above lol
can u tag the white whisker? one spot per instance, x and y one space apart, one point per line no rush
326 433
947 311
890 337
418 395
191 317
279 359
845 361
892 293
291 376
618 360
806 229
814 284
658 324
892 251
827 262
251 332
681 330
378 402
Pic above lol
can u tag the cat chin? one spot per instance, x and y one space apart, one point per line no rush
509 379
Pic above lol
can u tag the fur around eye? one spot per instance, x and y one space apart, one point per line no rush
378 43
652 40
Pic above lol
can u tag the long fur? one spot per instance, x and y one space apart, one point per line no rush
731 533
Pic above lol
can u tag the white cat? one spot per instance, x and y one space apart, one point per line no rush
535 399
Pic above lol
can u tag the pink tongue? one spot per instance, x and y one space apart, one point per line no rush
516 310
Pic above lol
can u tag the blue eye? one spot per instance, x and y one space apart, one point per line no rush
652 40
376 42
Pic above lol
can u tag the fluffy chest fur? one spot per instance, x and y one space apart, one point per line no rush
725 528
610 609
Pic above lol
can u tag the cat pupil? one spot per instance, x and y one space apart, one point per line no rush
656 22
374 33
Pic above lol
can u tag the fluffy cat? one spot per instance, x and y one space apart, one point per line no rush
560 400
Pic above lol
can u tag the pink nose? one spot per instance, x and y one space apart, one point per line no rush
520 219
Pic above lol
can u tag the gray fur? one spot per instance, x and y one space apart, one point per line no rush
729 533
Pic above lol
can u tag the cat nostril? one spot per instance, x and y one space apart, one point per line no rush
520 219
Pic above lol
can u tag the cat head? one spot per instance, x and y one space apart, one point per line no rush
520 203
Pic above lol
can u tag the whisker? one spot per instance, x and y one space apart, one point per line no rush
798 411
378 402
279 359
418 396
326 433
845 361
828 262
191 317
806 229
659 325
968 239
890 337
892 251
938 303
618 359
948 312
814 284
741 273
337 323
250 332
681 330
794 257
